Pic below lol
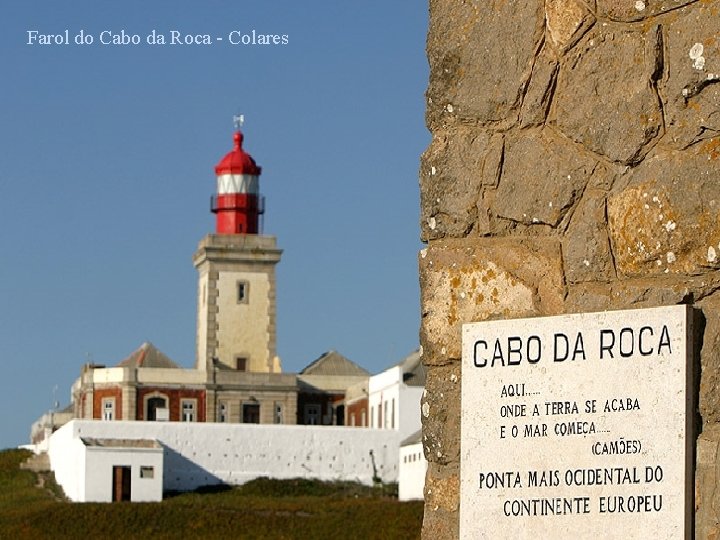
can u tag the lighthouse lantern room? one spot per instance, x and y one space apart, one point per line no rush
238 204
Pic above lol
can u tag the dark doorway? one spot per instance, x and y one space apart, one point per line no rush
340 415
153 404
121 483
251 413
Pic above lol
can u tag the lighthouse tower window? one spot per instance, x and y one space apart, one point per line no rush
243 290
241 363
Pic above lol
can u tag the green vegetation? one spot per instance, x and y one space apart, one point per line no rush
264 508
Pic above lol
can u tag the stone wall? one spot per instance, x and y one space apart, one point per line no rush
573 167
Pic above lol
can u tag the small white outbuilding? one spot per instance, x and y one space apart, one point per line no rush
109 470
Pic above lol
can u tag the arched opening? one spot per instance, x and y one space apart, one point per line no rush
152 406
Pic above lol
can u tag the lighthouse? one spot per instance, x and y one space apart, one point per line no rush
238 203
236 274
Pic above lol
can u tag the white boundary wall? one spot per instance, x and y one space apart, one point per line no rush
67 460
199 454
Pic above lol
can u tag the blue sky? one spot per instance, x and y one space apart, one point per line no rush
106 171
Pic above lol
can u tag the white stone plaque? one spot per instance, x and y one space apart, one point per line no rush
578 426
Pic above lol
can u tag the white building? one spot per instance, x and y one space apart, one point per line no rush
394 400
394 396
412 468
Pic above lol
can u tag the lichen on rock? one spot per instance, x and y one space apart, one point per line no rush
668 216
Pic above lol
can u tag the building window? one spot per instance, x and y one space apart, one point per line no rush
278 416
312 414
188 410
243 292
108 409
222 412
385 415
392 415
251 413
147 472
372 417
363 419
241 363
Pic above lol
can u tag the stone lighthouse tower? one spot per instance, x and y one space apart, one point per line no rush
236 267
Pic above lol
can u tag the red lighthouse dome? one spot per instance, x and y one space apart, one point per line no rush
237 161
238 203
